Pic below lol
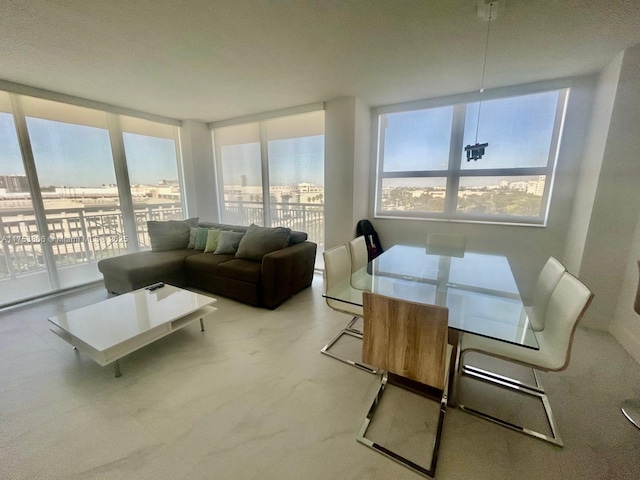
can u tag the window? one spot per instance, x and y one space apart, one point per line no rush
271 173
77 185
154 178
423 170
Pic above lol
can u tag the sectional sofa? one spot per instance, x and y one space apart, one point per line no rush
255 265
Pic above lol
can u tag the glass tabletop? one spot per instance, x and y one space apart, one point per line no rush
478 288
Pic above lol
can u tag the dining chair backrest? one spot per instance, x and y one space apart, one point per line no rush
567 305
406 338
445 244
359 255
337 267
547 280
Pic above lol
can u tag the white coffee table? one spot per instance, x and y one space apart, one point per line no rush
113 328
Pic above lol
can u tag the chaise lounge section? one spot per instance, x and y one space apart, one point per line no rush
268 266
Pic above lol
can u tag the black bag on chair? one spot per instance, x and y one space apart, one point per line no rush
374 248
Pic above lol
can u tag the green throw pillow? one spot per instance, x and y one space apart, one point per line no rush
228 243
201 238
258 241
212 240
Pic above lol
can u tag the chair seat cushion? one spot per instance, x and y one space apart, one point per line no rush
544 359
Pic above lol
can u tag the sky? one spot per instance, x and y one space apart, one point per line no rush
291 161
80 156
518 131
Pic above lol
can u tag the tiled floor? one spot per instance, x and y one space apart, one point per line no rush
252 398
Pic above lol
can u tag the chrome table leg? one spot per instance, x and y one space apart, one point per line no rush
631 410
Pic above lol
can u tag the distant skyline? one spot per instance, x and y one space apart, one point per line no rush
80 156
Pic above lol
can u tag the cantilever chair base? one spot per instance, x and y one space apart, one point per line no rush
354 332
428 472
631 410
512 384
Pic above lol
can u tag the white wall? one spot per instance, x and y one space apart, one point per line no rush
339 154
198 170
613 221
589 171
362 163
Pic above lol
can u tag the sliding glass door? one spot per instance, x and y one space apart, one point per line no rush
296 173
271 173
77 185
22 262
155 183
74 164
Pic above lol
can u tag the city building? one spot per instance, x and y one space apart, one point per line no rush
14 183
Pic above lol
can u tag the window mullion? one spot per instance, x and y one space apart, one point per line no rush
455 149
382 133
122 181
264 160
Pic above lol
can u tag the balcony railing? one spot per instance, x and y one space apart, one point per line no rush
76 235
89 234
304 217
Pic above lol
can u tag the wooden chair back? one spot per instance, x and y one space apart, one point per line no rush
406 338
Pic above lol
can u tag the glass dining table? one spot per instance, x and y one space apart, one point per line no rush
478 289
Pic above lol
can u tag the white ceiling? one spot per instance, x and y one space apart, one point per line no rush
211 60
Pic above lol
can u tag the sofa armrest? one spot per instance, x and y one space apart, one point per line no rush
286 271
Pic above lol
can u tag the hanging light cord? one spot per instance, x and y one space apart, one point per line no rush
484 68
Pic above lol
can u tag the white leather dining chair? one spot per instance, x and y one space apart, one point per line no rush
337 269
358 252
547 280
567 304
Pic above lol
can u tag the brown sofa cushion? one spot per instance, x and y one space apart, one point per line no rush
206 262
136 267
240 269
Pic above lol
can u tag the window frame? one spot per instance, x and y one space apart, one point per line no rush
262 138
454 173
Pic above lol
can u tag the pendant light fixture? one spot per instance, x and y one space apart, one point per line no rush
486 11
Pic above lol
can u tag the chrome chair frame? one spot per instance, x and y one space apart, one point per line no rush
431 470
508 383
409 342
353 332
